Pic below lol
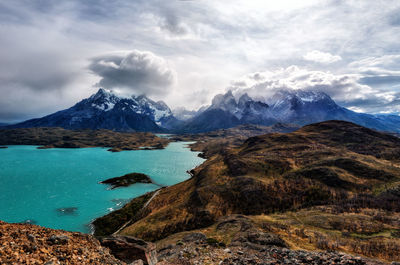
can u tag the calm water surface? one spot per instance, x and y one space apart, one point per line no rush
58 188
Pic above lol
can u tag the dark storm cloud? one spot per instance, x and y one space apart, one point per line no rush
394 18
137 72
380 80
172 24
38 72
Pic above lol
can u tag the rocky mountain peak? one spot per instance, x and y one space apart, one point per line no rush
103 100
225 101
243 99
300 95
107 110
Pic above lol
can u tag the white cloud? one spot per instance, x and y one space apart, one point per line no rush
346 89
321 57
135 72
207 43
377 65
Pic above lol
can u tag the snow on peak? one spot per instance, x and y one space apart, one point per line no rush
301 95
104 100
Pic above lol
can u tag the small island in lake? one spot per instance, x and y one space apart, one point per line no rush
127 180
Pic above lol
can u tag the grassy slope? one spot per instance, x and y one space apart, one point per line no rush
333 164
211 143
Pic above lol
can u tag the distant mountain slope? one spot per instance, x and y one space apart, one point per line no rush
210 143
105 110
209 120
295 106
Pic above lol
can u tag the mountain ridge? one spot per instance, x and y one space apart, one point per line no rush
107 110
295 106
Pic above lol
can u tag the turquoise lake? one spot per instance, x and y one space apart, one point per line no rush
59 188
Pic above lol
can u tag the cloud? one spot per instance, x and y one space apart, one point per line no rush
207 42
172 24
345 89
321 57
138 72
381 71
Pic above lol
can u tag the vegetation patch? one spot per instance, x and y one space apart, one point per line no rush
127 180
113 221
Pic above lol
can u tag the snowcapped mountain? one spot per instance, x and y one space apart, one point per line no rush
294 106
106 110
225 112
304 107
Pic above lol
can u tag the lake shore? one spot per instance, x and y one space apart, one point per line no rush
61 138
55 187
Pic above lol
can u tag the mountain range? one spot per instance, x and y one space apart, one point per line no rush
107 110
295 107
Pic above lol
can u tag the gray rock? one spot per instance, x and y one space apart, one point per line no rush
130 249
194 237
58 240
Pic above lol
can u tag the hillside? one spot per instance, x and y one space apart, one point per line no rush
328 186
210 143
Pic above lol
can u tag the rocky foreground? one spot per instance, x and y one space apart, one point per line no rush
31 244
200 252
248 245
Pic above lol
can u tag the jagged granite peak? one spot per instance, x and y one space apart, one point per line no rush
225 102
283 99
304 107
244 99
103 100
108 110
226 112
303 95
299 107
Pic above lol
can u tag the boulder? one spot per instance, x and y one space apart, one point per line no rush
58 240
194 237
130 249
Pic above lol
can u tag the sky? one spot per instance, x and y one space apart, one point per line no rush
54 53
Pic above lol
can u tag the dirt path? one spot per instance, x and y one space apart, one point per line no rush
144 207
